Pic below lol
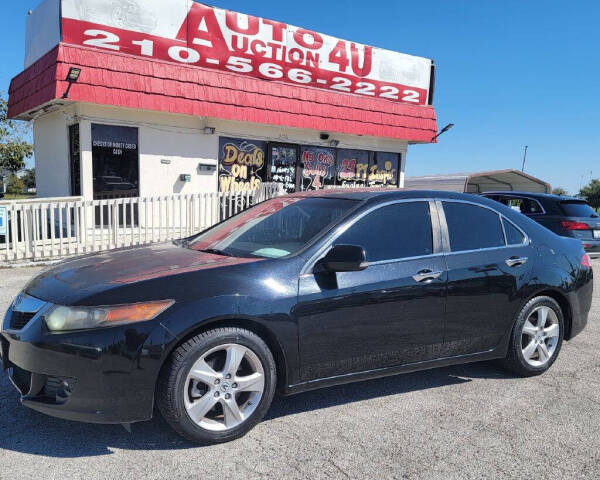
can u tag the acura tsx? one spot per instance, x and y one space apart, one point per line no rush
299 292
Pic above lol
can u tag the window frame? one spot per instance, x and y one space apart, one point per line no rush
329 241
501 217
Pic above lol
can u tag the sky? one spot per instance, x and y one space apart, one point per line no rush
509 73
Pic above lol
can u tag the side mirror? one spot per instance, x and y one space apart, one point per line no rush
345 258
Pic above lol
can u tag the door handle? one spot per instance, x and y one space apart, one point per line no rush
425 275
516 261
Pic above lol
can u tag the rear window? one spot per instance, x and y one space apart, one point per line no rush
577 209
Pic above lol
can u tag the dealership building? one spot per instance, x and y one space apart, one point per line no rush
156 98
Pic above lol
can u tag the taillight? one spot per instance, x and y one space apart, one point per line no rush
585 261
570 225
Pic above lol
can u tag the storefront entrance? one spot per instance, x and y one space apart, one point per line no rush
115 163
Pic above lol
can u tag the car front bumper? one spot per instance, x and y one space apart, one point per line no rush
101 376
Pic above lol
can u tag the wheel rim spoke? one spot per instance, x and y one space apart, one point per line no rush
198 410
529 328
529 350
251 383
552 331
543 352
203 372
232 413
235 355
542 316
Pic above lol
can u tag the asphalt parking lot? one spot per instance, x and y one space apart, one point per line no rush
465 422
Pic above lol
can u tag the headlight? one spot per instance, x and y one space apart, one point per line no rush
78 318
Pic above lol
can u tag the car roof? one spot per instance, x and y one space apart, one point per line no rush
381 194
545 196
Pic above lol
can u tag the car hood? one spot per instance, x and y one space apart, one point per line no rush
72 280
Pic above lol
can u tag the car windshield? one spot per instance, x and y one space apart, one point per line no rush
273 229
578 209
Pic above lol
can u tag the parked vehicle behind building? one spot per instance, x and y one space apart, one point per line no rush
565 216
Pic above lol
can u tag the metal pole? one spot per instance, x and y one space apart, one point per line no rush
524 158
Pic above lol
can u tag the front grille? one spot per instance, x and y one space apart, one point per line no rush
18 320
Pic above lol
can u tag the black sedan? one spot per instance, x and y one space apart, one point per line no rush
299 292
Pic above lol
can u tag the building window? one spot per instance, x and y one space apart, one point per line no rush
75 160
352 167
317 166
115 158
385 169
242 164
245 164
283 161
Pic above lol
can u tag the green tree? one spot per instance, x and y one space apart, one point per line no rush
559 191
14 148
15 185
591 193
28 177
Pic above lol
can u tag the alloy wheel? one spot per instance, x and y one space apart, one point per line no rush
540 335
224 387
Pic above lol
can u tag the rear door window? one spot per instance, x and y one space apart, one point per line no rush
577 209
471 227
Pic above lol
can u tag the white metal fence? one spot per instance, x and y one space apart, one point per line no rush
48 228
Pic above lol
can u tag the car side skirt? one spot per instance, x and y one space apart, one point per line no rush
499 352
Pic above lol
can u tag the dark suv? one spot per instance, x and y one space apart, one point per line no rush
566 216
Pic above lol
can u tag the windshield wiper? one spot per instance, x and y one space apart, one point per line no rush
216 251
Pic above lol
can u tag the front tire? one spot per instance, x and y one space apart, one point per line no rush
217 386
536 337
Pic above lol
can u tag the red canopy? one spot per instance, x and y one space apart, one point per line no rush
121 80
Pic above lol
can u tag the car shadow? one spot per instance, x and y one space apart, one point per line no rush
26 431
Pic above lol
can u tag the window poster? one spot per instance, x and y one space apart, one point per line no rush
318 167
283 166
385 169
352 167
241 164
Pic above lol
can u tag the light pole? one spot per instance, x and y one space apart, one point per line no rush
443 130
524 158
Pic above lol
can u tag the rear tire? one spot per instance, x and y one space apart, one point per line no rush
217 386
536 338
